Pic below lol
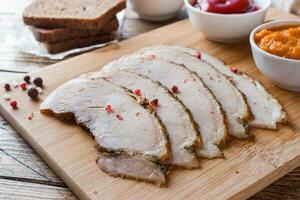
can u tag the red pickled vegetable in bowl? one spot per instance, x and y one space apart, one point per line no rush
226 6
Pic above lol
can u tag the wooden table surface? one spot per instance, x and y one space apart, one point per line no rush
23 175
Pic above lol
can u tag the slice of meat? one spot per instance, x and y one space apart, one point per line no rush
181 128
230 98
192 92
133 167
126 127
265 107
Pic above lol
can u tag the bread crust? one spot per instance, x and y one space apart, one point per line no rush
33 15
62 34
58 47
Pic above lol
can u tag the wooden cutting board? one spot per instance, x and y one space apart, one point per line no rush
248 167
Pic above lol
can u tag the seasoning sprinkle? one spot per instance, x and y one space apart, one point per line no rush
7 87
119 117
154 103
175 89
33 93
198 55
30 117
38 82
13 104
108 78
23 86
234 70
108 108
138 92
27 79
151 57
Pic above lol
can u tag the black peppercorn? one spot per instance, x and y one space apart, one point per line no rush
7 87
33 93
38 82
27 79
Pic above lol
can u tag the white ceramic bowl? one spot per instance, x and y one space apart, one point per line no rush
227 27
156 10
283 72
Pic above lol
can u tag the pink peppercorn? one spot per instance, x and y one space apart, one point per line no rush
154 103
14 104
23 86
108 108
138 92
198 55
119 117
234 70
175 89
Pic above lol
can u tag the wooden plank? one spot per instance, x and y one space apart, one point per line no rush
288 187
10 190
7 76
258 153
18 160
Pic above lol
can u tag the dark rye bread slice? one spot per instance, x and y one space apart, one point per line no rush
58 47
75 14
62 34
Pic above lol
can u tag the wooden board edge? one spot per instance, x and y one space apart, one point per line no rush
43 154
268 179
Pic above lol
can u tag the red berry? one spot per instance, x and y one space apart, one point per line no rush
198 55
137 92
175 89
23 86
154 103
7 87
234 70
108 108
13 104
119 117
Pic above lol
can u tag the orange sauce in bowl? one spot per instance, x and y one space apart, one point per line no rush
281 41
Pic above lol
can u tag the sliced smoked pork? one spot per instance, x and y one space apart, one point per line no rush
265 107
182 130
188 87
230 98
112 115
135 167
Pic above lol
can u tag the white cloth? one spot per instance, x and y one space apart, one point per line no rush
292 6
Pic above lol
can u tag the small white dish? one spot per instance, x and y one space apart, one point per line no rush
156 10
227 28
283 72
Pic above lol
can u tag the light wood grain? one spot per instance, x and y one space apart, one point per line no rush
248 167
11 59
19 161
10 190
